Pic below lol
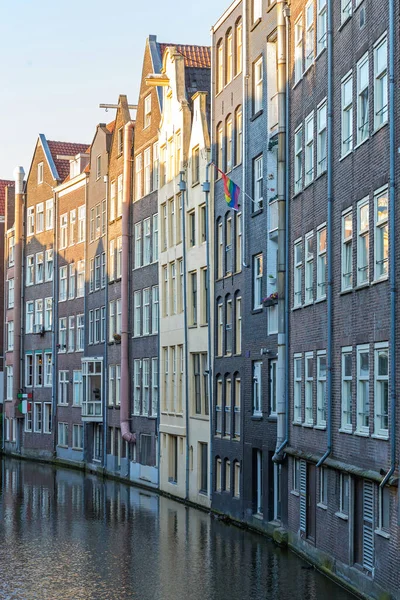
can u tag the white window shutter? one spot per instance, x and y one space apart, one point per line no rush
368 526
303 495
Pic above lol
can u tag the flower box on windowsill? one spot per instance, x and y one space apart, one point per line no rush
271 300
117 338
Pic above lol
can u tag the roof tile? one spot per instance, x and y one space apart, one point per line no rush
3 184
195 56
67 149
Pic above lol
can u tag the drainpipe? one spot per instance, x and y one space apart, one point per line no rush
329 230
245 87
392 245
182 189
105 351
54 325
283 36
19 175
206 190
126 433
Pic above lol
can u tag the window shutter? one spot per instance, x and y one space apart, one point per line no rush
303 495
368 526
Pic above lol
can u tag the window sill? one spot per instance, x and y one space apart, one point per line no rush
308 184
256 311
380 436
342 516
320 427
296 423
348 431
62 446
273 418
379 128
381 280
362 286
344 292
257 212
308 425
296 194
318 300
297 83
320 53
361 434
308 68
323 506
256 115
346 155
295 493
256 417
256 22
347 19
297 307
383 534
319 175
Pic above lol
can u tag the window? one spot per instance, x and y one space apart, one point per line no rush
37 417
228 403
62 435
147 111
347 114
309 58
228 244
71 334
30 221
257 392
138 176
62 296
137 313
220 244
236 408
111 385
321 263
362 99
80 284
220 66
81 223
77 437
297 389
63 231
381 372
227 475
63 387
347 9
11 293
47 417
10 381
238 256
257 281
111 261
384 509
363 389
154 309
120 140
229 56
380 84
62 334
38 369
173 290
239 135
155 167
298 50
193 290
192 228
381 237
165 291
10 335
321 26
178 151
203 452
136 386
344 494
154 387
80 333
103 217
164 225
218 407
11 249
97 221
29 270
171 221
71 288
39 217
238 47
218 475
119 257
38 315
298 160
273 365
238 325
229 143
321 388
257 10
163 165
347 389
146 386
220 325
258 182
146 311
308 391
220 138
309 268
112 200
28 418
298 266
258 85
48 274
119 317
120 195
29 317
228 326
155 238
362 242
40 173
309 150
347 251
103 269
323 486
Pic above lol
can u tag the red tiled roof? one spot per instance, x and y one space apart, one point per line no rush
3 184
111 126
66 149
195 56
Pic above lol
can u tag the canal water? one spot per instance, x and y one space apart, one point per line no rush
67 536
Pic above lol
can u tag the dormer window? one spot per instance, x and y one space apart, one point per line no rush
74 168
40 173
147 111
120 141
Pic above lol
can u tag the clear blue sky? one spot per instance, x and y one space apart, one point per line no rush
60 60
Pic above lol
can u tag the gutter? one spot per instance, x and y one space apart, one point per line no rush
126 433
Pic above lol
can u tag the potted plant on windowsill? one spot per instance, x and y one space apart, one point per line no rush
271 300
272 279
117 338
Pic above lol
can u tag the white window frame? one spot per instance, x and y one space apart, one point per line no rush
298 272
346 9
381 103
362 235
309 268
381 232
258 68
257 388
321 26
363 411
321 389
347 114
258 182
347 251
309 149
258 268
347 389
310 43
362 105
321 262
297 387
298 159
298 50
309 389
380 417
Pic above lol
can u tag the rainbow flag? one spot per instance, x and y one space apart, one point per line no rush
232 192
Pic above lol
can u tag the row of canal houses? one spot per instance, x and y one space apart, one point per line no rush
242 360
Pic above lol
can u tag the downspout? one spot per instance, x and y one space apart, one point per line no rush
18 286
283 41
392 245
182 189
245 87
329 231
54 325
126 433
105 374
206 190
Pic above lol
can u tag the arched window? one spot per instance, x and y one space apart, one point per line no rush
229 142
229 56
227 469
220 66
218 405
220 248
228 242
236 405
228 324
228 406
220 326
238 46
220 139
238 323
238 135
236 479
218 474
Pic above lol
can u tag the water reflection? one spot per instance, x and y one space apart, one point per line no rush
69 536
